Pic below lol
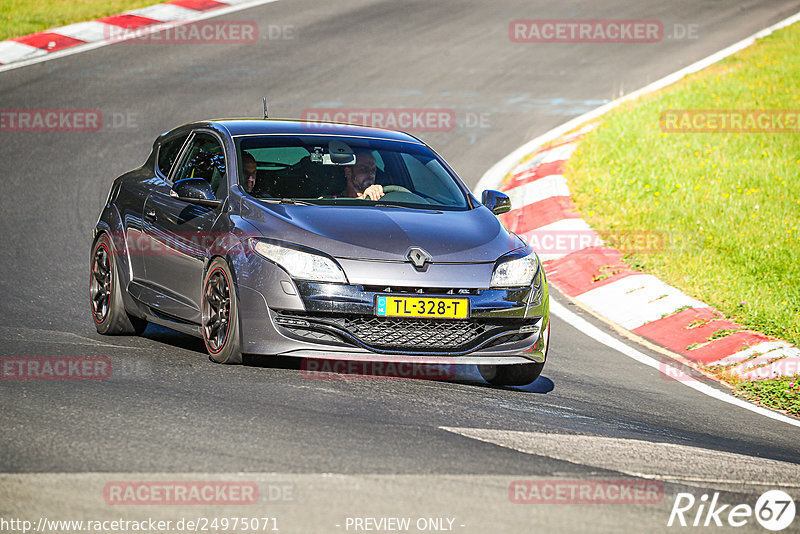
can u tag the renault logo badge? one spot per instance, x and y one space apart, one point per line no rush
418 257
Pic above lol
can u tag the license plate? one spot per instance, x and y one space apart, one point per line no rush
431 307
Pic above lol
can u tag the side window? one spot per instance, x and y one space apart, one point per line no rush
205 159
168 153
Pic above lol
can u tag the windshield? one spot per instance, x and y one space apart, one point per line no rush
346 171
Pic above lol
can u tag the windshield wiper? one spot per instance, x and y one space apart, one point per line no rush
287 201
389 205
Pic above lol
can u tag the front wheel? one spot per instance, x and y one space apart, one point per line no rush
511 375
221 315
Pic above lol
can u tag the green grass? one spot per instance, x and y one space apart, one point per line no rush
780 393
21 17
727 205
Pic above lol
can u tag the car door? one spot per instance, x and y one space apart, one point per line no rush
167 151
180 232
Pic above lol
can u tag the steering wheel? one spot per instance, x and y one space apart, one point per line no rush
395 189
398 193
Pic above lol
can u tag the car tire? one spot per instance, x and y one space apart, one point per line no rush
517 374
220 315
105 293
511 375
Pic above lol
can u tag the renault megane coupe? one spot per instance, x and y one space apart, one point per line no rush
317 240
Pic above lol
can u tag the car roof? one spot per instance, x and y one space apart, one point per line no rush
239 127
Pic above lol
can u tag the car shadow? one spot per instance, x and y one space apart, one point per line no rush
168 336
272 362
322 369
472 376
541 385
325 369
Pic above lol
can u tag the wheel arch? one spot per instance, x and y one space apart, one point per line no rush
233 252
110 224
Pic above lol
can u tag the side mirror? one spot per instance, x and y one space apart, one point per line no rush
196 191
496 201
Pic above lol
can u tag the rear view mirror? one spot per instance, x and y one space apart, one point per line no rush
496 201
329 159
339 153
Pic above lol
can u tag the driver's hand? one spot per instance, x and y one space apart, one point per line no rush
373 192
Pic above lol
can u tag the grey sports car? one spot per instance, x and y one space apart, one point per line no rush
317 240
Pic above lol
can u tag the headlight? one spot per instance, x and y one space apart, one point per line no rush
516 273
301 265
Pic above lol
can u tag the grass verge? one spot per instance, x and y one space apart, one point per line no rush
779 393
21 17
725 207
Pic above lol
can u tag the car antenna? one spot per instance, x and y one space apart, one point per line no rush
266 114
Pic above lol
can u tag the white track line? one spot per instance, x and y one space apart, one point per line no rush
201 15
587 328
654 460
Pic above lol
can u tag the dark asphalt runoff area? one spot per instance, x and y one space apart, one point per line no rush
358 447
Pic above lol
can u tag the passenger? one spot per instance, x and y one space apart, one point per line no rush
361 178
250 170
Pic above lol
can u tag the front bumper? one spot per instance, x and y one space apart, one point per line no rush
338 321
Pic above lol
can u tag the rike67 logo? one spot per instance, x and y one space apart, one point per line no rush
774 510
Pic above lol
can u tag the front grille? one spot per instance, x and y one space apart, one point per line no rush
404 333
387 334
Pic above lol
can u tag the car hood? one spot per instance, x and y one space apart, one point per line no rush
385 233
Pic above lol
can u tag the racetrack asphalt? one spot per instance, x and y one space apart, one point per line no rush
169 410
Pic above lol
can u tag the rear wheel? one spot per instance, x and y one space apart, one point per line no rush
511 375
221 315
105 293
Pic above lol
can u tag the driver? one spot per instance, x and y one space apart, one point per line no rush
250 169
360 178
